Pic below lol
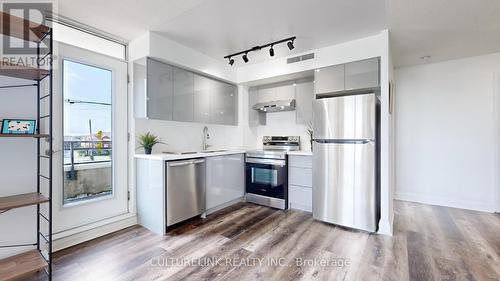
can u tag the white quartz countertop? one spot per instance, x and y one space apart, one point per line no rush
300 153
174 156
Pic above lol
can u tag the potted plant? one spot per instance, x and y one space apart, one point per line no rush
310 133
147 141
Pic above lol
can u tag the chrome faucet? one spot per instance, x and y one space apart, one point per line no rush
206 137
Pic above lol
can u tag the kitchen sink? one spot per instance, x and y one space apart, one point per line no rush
212 151
181 152
194 152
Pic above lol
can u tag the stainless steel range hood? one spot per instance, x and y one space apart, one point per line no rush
274 106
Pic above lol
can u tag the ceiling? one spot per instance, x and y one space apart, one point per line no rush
442 29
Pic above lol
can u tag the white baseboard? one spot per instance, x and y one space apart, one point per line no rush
385 227
296 206
444 201
74 236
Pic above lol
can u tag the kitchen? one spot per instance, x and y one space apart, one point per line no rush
174 186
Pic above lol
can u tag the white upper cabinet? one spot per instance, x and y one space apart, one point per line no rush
302 90
255 118
265 94
284 92
274 92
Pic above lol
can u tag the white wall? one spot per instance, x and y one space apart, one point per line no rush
157 46
364 48
278 124
446 133
184 136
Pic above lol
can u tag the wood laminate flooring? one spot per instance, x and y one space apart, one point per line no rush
250 242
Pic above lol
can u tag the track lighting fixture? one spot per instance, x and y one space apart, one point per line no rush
244 53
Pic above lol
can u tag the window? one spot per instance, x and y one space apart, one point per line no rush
87 92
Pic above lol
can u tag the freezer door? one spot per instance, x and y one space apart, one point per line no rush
344 184
346 117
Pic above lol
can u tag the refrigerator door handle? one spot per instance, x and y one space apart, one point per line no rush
345 141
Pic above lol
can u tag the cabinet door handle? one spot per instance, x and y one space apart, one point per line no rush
185 163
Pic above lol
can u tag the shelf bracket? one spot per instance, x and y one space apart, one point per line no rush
17 245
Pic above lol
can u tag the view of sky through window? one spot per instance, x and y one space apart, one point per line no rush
87 95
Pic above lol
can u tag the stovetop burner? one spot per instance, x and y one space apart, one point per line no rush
275 147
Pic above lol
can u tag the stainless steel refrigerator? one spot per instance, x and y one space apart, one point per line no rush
345 161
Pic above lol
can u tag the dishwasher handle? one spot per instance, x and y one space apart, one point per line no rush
185 163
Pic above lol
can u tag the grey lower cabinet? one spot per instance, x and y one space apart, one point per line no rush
173 93
188 186
183 101
225 180
300 182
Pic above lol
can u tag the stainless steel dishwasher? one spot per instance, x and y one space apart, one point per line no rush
185 189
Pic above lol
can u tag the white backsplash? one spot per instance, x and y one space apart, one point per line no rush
279 124
184 136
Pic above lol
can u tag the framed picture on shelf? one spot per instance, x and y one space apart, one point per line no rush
18 126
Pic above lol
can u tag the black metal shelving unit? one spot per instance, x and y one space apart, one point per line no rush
39 259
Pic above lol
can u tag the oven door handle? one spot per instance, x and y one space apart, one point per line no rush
266 161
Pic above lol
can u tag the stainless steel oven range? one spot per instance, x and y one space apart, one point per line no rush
267 172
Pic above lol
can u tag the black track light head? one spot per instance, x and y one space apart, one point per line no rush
245 58
290 45
271 51
231 61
